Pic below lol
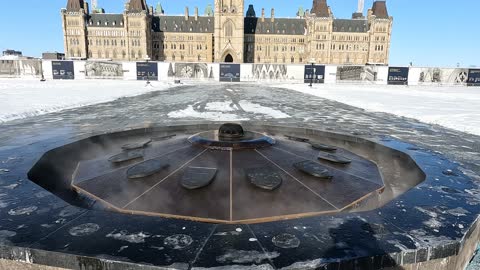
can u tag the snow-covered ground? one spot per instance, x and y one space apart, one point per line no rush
23 98
225 111
452 107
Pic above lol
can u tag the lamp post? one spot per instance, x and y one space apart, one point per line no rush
312 61
147 58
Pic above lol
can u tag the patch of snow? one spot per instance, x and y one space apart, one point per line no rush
135 238
26 98
190 112
84 229
221 106
246 256
20 211
259 109
452 107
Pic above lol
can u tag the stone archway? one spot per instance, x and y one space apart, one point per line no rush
228 58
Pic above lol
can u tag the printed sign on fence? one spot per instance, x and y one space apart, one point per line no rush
473 77
314 74
147 71
229 72
398 75
63 70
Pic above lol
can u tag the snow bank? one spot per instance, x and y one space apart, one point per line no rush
25 98
452 107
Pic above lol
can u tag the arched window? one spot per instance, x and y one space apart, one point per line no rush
124 54
228 29
292 60
99 54
114 54
107 54
133 54
140 55
173 57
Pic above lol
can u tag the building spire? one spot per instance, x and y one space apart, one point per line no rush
209 11
137 6
320 8
159 9
75 5
379 9
251 12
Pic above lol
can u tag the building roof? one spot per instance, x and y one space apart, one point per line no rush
320 8
159 9
350 26
75 5
137 6
178 24
208 11
105 20
278 26
251 11
380 9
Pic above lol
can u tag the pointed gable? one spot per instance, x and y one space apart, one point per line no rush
137 6
379 9
320 8
75 5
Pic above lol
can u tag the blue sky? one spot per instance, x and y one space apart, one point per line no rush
426 32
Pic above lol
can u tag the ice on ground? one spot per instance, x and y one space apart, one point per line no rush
190 112
25 98
222 106
259 109
454 107
225 111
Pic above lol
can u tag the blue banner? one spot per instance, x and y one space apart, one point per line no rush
398 75
63 70
314 74
473 77
147 71
229 72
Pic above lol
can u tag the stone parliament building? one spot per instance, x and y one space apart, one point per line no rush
224 34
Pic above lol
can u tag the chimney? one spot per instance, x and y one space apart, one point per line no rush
273 15
263 15
186 13
196 13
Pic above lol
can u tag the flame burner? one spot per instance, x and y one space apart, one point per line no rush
227 174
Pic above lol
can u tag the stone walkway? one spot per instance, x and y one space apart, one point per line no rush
305 111
35 135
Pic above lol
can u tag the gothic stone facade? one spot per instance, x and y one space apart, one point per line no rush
224 34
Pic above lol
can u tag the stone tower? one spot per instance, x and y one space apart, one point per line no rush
74 29
319 35
229 31
380 33
138 22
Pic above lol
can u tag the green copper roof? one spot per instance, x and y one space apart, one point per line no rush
209 10
159 9
301 12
